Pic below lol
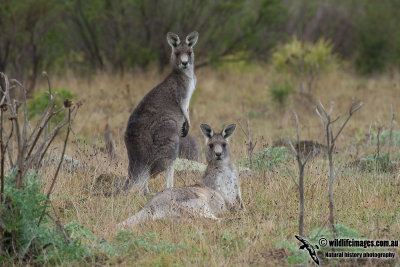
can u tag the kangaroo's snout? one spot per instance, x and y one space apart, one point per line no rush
218 152
184 60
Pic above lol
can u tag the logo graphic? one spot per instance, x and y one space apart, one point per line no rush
311 249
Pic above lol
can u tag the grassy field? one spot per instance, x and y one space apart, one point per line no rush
367 202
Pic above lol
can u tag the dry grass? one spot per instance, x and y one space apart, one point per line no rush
366 202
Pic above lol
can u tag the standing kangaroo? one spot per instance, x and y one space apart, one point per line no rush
154 128
218 191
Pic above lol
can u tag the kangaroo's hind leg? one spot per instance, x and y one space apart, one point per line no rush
170 175
137 179
198 208
166 144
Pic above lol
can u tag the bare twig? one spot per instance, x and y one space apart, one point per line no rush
44 73
3 108
327 122
291 176
378 144
58 223
301 165
59 164
249 142
391 131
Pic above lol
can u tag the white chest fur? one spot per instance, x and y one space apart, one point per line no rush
190 90
228 183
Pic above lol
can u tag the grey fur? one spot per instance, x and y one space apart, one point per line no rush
189 148
217 193
153 130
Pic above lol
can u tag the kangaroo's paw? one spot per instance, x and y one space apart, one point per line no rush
185 129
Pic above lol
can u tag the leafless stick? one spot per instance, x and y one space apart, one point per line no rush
44 73
330 143
2 151
378 150
249 143
50 141
391 131
39 154
58 224
291 176
13 110
300 184
46 113
59 164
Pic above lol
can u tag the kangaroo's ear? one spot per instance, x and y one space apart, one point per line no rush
207 130
191 39
173 39
228 131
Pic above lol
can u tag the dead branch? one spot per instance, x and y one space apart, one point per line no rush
331 139
3 108
59 164
249 142
301 165
378 144
391 131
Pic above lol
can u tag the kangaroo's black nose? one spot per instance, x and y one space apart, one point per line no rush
218 154
184 63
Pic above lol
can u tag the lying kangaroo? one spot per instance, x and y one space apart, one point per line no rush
189 148
217 192
154 128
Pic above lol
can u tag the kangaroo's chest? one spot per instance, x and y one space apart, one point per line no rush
190 89
227 182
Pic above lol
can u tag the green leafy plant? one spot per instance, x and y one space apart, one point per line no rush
376 163
39 244
304 61
38 104
385 137
231 244
281 91
45 244
267 158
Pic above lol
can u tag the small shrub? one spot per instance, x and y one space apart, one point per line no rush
384 137
281 91
304 61
376 163
231 244
45 245
35 244
267 158
40 100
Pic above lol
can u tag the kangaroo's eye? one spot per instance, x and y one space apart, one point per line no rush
177 54
211 145
223 145
189 53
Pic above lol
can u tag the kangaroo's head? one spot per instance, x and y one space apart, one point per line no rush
182 56
217 150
